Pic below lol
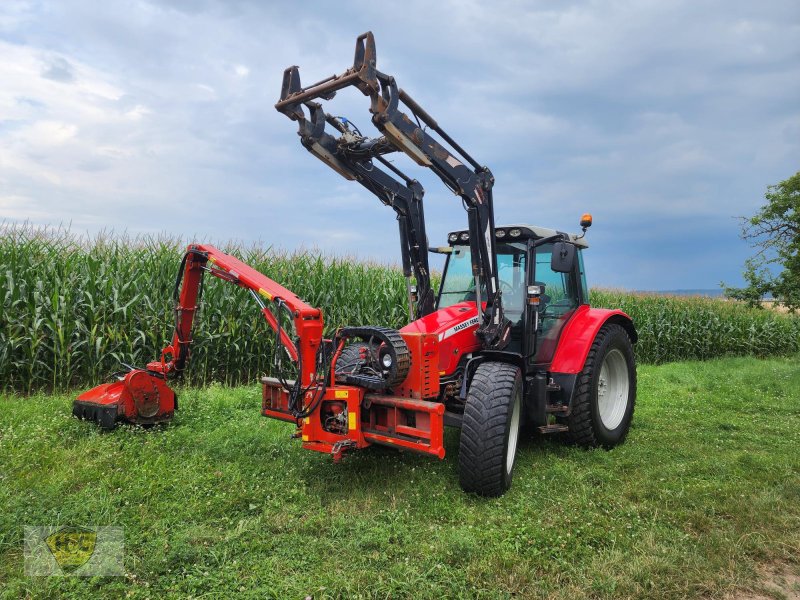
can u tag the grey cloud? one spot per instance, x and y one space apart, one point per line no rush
677 113
59 69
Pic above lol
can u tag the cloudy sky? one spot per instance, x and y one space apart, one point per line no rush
665 120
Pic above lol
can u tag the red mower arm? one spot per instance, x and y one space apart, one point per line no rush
202 258
143 396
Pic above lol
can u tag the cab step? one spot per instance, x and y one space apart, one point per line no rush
553 428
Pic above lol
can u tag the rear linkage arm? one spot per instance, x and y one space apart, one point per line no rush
351 160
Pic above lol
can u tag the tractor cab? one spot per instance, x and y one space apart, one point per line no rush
539 294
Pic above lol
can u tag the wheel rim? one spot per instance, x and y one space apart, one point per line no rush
612 389
513 433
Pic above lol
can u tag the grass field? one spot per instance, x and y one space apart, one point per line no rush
705 492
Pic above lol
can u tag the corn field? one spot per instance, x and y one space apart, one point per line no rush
72 309
674 328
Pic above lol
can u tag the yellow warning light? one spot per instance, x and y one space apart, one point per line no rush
586 220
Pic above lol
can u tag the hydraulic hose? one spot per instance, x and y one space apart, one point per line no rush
296 390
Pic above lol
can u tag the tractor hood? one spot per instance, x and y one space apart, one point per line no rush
446 322
455 327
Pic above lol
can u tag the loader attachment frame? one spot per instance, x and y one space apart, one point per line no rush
351 154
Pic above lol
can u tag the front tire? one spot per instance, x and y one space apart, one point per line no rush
490 429
605 392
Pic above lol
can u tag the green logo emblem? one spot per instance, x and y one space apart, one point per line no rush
72 547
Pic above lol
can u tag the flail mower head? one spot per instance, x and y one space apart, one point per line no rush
139 397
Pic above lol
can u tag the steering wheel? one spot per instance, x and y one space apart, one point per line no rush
506 287
544 299
544 304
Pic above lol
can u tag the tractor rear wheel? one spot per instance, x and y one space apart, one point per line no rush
490 429
605 392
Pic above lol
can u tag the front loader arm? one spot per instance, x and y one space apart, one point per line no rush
473 185
351 155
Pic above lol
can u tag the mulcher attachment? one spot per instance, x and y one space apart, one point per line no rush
139 397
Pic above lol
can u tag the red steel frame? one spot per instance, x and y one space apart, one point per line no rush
307 319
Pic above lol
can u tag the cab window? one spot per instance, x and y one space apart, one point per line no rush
458 284
559 300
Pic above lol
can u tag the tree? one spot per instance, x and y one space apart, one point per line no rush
775 231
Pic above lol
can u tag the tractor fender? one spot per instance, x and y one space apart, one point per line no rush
579 333
494 355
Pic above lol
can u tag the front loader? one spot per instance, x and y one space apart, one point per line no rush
508 340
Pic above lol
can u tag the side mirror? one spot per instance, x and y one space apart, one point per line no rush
563 258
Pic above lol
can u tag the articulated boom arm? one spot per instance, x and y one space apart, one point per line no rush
200 259
351 155
143 396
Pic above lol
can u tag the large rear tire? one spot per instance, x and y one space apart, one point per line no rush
490 429
605 392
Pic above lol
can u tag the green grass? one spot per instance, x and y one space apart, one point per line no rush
72 309
706 489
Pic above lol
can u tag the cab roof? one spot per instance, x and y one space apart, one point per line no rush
526 232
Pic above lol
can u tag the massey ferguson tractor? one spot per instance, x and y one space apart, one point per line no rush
507 342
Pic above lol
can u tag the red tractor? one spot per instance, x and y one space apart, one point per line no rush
508 340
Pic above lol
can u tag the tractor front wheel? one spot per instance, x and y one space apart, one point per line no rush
605 392
490 429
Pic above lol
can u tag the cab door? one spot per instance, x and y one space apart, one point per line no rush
562 294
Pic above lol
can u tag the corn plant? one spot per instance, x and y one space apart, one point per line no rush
690 328
73 308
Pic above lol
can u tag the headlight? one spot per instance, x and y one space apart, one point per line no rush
515 232
464 236
387 361
501 233
453 237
